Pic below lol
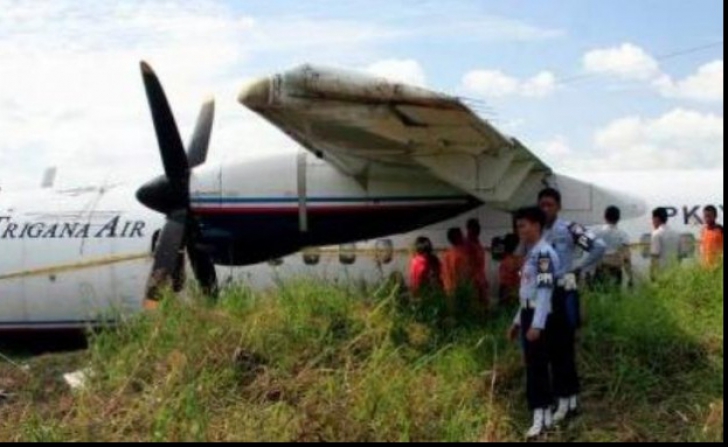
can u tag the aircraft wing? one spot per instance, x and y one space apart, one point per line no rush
353 120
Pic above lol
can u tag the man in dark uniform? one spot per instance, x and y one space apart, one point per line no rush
533 319
565 237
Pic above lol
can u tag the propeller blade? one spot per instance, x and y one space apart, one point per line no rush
204 269
197 149
167 255
171 149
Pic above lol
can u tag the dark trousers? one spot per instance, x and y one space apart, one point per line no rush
562 345
607 275
538 380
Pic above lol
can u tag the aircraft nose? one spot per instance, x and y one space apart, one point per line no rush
257 94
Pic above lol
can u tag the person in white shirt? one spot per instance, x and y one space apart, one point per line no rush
665 245
617 258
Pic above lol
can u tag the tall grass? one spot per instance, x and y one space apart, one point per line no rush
310 361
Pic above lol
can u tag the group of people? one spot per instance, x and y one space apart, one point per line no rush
461 266
665 242
664 246
539 270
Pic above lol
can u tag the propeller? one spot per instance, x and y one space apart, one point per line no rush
169 194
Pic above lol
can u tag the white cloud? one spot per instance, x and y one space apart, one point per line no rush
556 148
705 85
630 62
496 84
678 139
72 96
490 83
407 71
543 84
627 61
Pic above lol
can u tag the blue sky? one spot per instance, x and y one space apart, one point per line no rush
71 94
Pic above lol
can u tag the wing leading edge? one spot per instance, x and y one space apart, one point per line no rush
354 120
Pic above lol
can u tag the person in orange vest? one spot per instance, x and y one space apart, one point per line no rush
711 238
425 268
477 260
456 266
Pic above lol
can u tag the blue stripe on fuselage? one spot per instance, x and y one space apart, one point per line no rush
264 200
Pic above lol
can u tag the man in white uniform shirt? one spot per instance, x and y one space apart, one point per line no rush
617 258
665 246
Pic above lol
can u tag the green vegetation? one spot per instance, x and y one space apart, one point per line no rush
314 362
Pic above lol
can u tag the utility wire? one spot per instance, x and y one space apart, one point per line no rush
660 58
575 78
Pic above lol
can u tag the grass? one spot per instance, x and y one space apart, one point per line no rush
321 362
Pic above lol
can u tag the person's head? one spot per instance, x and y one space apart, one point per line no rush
473 227
612 215
510 243
710 215
455 236
423 246
530 222
549 200
659 217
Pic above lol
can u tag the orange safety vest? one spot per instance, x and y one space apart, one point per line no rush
711 245
477 261
456 268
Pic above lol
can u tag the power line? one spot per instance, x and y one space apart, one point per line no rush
579 77
660 58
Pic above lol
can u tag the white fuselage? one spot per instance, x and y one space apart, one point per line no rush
70 258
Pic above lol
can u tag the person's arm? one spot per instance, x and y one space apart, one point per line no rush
701 245
587 241
655 250
449 272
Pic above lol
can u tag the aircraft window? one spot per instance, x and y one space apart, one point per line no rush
687 245
275 262
646 241
311 255
384 251
347 254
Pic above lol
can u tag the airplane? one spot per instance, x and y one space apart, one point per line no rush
379 163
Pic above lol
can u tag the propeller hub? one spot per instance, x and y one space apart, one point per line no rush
163 196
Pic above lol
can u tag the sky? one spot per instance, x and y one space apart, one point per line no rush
587 85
